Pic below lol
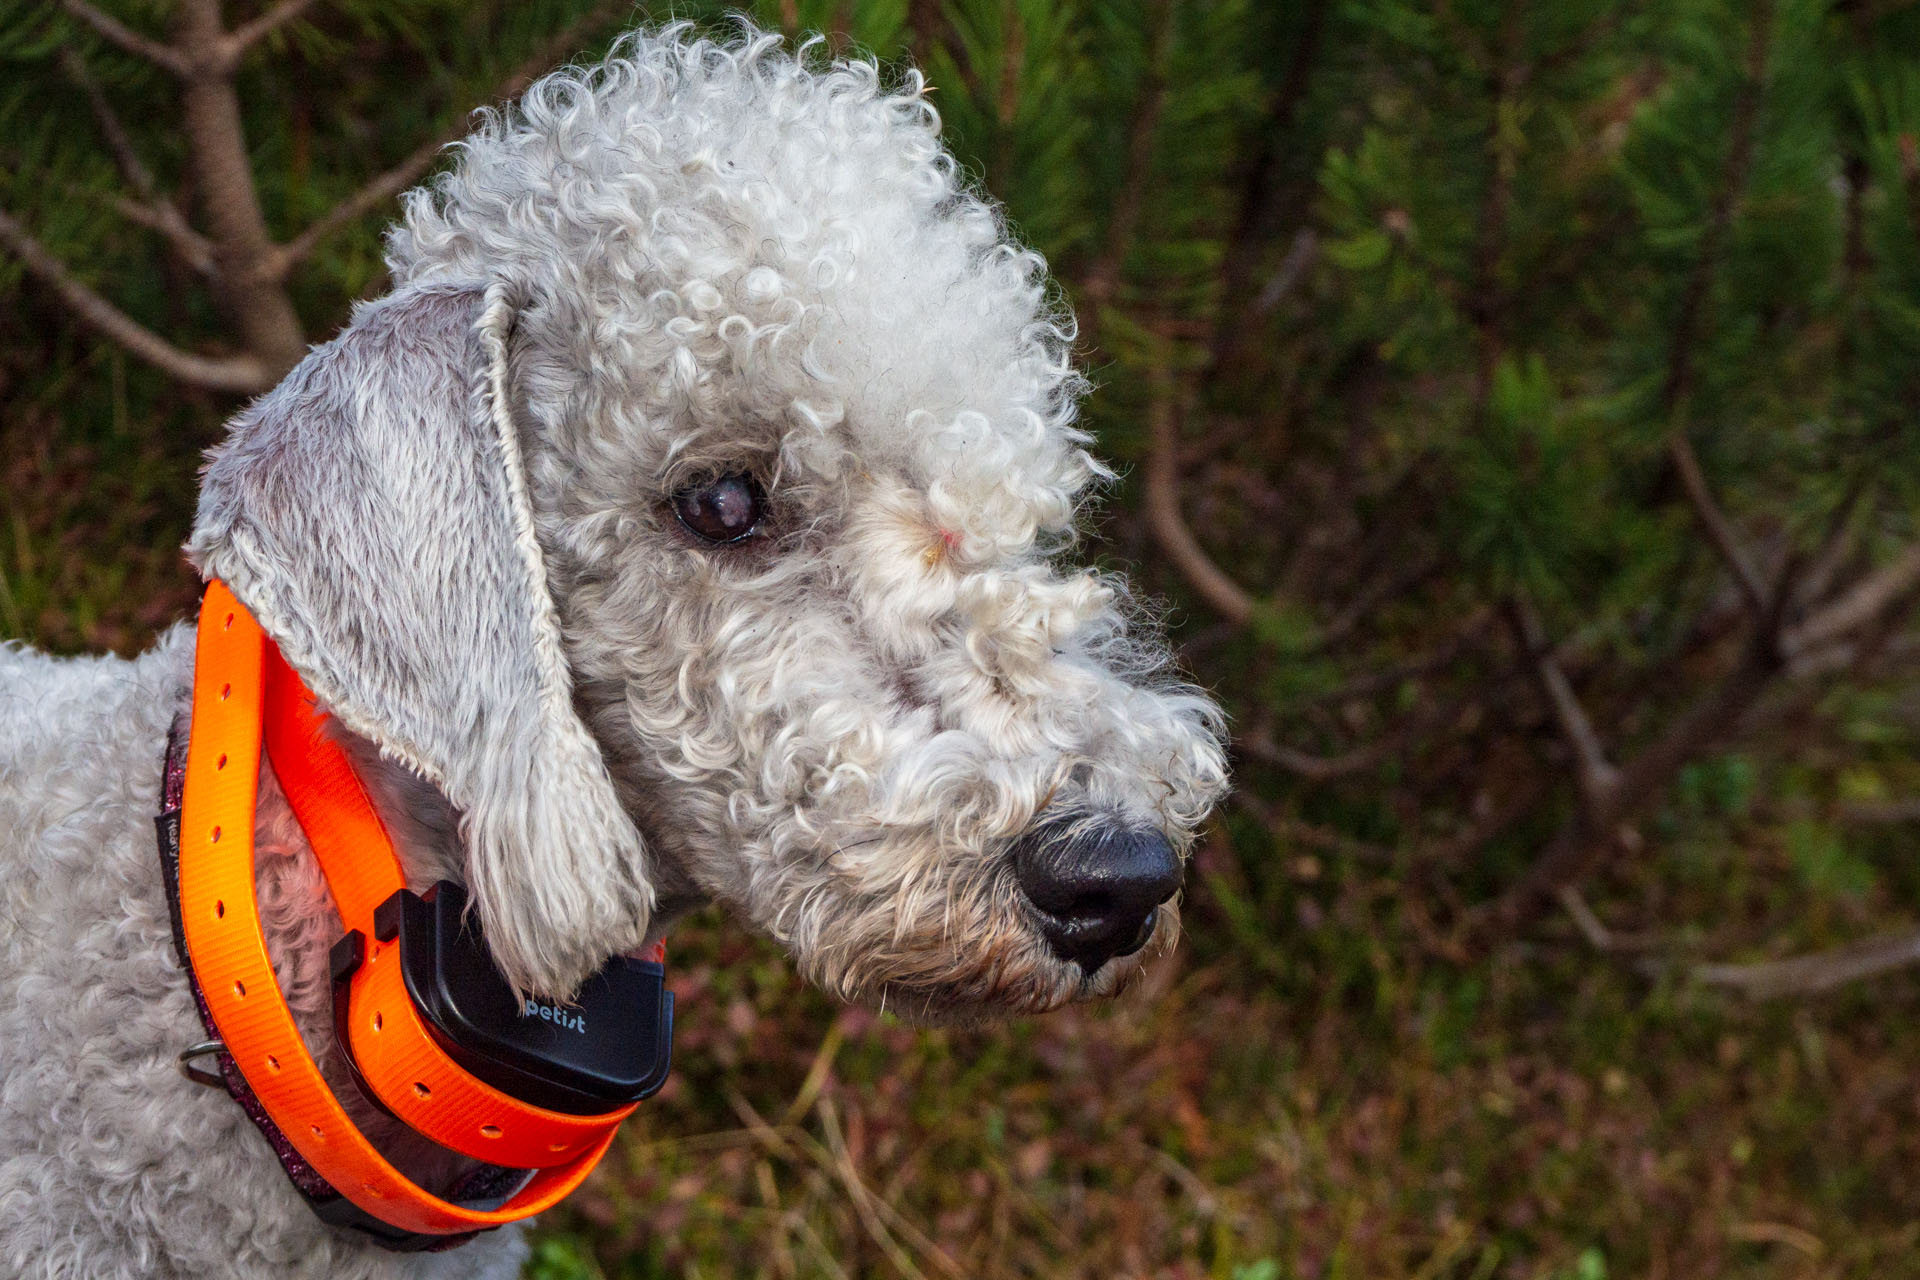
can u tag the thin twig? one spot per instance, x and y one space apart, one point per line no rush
195 250
132 168
1361 759
1693 480
124 37
1714 715
279 263
1821 971
1858 605
1300 831
248 34
1595 774
1879 812
241 375
1225 596
150 209
1598 936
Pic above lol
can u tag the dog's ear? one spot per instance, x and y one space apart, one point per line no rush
372 512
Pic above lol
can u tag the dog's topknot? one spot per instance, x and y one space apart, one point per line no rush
699 205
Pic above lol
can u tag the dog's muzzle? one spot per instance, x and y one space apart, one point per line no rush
1097 893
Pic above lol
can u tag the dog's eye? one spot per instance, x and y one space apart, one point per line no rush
726 509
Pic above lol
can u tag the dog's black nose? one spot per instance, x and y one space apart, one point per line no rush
1097 892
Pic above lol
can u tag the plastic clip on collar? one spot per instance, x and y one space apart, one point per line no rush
244 691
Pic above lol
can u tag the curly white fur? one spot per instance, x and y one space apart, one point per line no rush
693 259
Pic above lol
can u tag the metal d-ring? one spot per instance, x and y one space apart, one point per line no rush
195 1074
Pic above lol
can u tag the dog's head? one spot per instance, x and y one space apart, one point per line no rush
692 515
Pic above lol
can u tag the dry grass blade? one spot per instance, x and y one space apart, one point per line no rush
817 1073
865 1203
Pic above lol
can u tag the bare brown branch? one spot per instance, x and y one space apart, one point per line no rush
1312 835
1713 716
1225 596
241 375
1858 606
279 264
150 209
248 34
222 169
132 168
1687 464
1821 971
1595 774
117 33
194 249
1323 768
1879 812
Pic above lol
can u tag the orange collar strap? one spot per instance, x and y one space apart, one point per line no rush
245 694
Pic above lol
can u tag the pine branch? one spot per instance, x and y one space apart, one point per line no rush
116 33
1677 387
1103 278
1717 712
1261 196
1486 300
384 186
242 375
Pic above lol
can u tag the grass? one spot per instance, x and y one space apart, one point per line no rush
1379 1114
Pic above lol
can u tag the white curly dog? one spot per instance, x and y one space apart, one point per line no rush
686 525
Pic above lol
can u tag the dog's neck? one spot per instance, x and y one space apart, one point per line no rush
301 925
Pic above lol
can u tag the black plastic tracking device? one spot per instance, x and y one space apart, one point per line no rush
611 1046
